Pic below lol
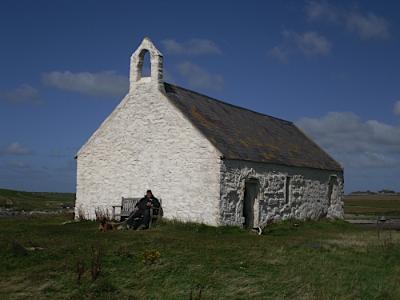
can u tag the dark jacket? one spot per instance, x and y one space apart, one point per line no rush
142 204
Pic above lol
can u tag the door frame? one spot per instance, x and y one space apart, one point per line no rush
256 206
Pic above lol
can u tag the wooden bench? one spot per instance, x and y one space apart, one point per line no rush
127 207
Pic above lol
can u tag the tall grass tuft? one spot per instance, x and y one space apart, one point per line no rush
95 269
79 214
80 269
196 293
102 214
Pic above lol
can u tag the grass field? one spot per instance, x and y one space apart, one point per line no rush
359 205
29 201
314 260
388 205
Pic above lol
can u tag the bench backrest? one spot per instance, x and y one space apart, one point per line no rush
128 205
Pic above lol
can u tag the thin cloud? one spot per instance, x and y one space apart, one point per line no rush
15 148
307 43
17 165
58 153
396 108
168 77
23 94
191 47
368 26
354 142
365 25
321 10
103 84
280 52
197 77
311 43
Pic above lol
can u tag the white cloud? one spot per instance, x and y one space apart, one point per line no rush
365 25
191 47
354 142
197 77
25 93
308 43
368 26
396 108
106 83
15 149
321 10
311 43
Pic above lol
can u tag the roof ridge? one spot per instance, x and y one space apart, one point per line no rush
230 104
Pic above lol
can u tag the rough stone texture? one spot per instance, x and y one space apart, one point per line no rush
146 143
308 193
156 62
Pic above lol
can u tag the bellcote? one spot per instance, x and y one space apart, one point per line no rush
156 78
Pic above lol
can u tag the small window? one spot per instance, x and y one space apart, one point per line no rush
287 188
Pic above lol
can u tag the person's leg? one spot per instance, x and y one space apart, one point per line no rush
133 219
138 222
146 219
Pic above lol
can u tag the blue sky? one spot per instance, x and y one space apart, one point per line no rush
332 67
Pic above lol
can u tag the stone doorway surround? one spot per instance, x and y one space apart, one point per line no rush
250 203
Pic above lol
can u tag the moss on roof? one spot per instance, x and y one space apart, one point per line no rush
242 134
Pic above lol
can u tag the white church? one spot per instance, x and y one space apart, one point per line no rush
210 161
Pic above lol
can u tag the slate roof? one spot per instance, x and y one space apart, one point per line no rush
242 134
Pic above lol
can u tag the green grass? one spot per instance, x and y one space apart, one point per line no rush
372 205
29 201
314 260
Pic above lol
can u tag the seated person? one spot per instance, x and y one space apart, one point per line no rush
141 214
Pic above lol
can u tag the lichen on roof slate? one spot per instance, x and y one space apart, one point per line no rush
242 134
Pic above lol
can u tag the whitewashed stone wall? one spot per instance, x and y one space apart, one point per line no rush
308 191
146 143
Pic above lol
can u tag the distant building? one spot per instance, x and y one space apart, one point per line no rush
385 191
209 161
368 192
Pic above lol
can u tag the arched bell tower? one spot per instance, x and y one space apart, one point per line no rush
156 79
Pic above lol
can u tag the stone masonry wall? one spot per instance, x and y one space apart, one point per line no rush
307 199
146 143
